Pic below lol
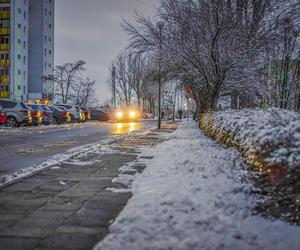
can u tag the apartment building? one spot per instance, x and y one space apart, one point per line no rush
41 49
26 48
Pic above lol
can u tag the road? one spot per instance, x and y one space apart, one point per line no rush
22 150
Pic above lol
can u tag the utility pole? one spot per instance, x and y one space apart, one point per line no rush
160 26
113 79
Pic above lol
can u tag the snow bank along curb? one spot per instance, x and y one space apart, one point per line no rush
269 139
190 197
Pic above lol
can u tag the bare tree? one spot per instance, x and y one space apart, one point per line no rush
84 92
65 78
215 45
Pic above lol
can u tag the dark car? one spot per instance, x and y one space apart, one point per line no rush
47 114
60 115
100 115
3 117
17 112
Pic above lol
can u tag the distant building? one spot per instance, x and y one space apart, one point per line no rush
41 48
26 48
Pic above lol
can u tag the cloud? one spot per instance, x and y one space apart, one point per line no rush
91 30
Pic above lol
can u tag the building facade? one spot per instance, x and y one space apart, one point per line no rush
26 48
41 49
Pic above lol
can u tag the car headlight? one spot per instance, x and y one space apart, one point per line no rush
132 114
119 114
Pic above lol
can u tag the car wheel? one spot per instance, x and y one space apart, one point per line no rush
55 120
11 122
72 120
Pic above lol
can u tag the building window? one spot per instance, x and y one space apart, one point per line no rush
24 30
24 44
19 26
45 65
45 38
24 75
19 41
45 52
50 39
19 56
50 13
50 52
46 12
19 10
25 15
24 60
50 26
50 66
19 72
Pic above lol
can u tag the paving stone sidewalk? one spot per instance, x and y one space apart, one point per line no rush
68 206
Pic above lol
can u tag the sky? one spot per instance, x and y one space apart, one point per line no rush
91 30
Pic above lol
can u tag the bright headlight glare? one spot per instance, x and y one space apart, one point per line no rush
132 114
119 114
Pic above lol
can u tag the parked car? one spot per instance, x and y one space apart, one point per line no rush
3 117
87 113
60 115
100 115
45 111
76 114
17 112
37 118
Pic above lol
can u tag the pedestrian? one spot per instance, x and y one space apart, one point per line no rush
180 114
162 115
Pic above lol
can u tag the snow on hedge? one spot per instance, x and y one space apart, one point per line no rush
269 136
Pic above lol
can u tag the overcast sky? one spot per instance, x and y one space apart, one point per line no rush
90 30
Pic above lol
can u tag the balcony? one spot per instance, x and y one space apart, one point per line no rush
4 79
4 31
4 63
4 94
4 46
4 15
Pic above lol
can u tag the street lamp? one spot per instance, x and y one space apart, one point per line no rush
160 27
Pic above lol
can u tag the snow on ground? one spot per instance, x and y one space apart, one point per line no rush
190 197
41 128
271 133
72 156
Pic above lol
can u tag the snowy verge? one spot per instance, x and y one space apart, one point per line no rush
267 137
191 197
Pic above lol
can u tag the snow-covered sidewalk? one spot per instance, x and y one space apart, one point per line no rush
191 197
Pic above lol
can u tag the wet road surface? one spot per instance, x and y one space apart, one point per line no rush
22 150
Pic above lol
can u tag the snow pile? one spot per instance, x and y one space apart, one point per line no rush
190 197
268 137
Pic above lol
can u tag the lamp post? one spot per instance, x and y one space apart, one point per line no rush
160 26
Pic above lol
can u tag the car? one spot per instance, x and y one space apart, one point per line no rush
60 115
3 117
76 114
45 111
87 113
100 115
126 115
17 112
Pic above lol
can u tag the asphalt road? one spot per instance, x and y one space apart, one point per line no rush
21 150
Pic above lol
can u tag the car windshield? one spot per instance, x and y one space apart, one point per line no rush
46 108
23 105
59 109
